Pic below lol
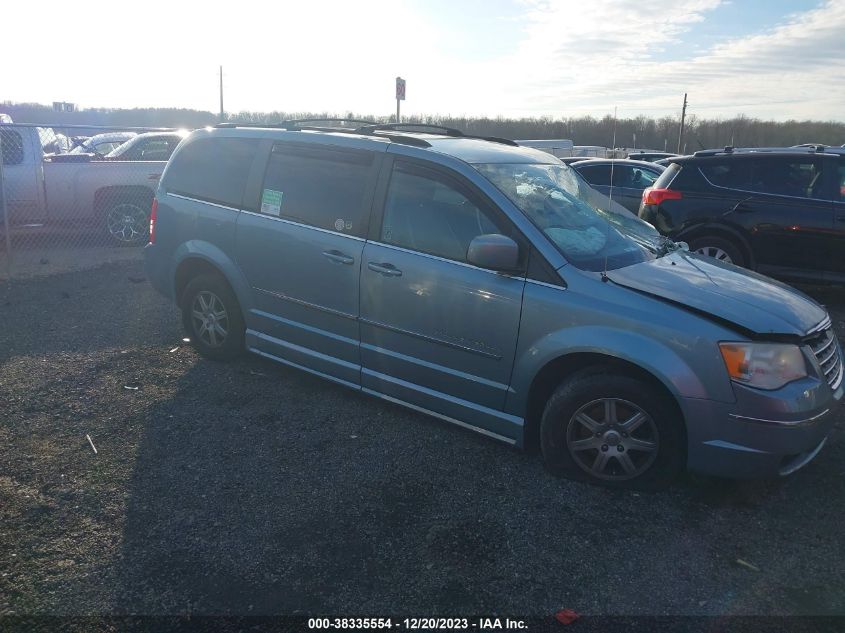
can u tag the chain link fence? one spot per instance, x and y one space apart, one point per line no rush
74 197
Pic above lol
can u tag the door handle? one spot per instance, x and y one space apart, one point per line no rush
338 257
388 270
840 218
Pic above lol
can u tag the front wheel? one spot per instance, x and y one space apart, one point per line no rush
612 430
212 318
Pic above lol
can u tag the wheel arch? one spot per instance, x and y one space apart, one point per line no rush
558 369
197 258
104 197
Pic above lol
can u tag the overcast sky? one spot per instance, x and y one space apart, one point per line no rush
776 59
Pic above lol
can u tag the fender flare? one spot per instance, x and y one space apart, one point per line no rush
213 255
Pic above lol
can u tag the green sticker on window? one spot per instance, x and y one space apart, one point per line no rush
271 202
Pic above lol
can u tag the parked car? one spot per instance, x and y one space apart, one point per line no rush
779 211
629 178
102 144
470 279
649 155
148 146
68 188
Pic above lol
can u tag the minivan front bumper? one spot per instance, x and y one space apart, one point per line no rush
773 438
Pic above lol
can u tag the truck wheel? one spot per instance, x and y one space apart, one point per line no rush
127 220
612 430
212 318
718 248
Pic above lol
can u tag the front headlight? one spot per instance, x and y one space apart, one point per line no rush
763 365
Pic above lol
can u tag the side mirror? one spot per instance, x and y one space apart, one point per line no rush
494 252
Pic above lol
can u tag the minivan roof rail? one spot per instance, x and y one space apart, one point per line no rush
293 124
389 131
445 131
403 127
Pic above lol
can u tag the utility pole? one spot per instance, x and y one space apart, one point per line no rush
222 115
683 116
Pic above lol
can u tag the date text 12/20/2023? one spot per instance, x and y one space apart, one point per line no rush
413 624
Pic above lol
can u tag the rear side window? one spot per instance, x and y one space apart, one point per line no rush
732 174
633 177
323 187
12 147
786 176
840 182
596 174
212 169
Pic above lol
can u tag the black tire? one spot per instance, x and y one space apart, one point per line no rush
712 244
126 219
212 291
567 444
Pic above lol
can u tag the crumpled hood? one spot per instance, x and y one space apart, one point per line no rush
740 296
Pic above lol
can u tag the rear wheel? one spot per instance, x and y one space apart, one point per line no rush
127 220
612 430
718 248
212 318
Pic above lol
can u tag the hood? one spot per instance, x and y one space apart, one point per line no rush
742 297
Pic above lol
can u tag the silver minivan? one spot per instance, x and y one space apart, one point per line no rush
488 285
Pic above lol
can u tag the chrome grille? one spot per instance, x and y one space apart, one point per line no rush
826 350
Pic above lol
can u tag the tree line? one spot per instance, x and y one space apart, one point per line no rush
644 132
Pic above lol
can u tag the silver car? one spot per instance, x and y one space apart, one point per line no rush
484 284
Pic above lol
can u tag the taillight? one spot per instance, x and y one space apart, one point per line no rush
153 214
657 196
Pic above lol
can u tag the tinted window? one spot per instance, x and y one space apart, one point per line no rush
734 174
633 177
428 213
798 177
12 147
596 174
212 169
840 182
323 187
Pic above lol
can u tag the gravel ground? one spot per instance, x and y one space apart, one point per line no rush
43 251
250 488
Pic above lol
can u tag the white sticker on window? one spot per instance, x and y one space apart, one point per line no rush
339 224
271 202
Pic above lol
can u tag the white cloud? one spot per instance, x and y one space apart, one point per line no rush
793 71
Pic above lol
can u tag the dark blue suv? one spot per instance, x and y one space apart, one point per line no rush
780 211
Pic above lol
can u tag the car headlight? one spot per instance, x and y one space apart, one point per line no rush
763 365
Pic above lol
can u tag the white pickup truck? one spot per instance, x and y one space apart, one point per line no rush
111 194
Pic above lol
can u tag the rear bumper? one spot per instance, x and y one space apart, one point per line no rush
157 267
726 440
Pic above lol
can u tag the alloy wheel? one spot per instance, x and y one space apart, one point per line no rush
612 439
127 222
210 319
716 253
